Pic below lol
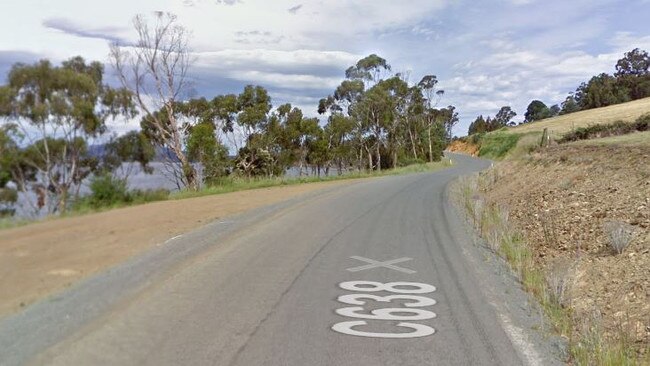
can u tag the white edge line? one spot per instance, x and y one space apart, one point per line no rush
174 238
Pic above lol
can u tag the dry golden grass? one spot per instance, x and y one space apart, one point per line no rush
557 126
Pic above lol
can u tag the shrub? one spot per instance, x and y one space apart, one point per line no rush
476 138
620 234
643 123
409 160
603 130
107 190
140 196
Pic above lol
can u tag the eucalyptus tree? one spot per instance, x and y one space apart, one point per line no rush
300 133
432 96
8 152
374 111
155 69
204 147
55 111
369 69
385 118
338 133
124 152
399 118
253 107
347 130
505 116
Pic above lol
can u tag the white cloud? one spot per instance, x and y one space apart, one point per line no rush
486 54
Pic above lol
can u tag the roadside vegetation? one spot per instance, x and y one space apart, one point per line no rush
55 135
619 101
109 193
516 143
568 208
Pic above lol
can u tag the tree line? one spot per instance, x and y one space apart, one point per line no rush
56 118
630 81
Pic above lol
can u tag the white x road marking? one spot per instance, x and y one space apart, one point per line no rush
378 264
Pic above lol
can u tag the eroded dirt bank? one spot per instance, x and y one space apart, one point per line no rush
568 201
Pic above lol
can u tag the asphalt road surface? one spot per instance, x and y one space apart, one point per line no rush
372 273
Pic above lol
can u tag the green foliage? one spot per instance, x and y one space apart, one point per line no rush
601 91
63 106
107 190
630 82
203 147
635 63
570 105
375 122
368 68
132 147
536 111
502 119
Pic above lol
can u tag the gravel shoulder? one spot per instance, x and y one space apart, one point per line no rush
40 259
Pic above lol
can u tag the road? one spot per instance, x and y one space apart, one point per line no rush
374 273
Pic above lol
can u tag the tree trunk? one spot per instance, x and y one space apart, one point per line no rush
430 147
62 200
395 159
378 158
415 153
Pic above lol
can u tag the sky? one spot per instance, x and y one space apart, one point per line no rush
486 54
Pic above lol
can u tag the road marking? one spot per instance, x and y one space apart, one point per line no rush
402 291
377 264
174 238
420 330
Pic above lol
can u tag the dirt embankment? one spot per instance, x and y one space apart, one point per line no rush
463 147
42 258
568 201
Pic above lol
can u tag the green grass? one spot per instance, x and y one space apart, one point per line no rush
10 222
233 184
227 185
136 197
497 144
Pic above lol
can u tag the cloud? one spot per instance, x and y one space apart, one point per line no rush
299 70
67 26
486 54
515 78
257 37
228 2
294 9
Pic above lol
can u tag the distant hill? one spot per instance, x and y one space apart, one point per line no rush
627 112
162 154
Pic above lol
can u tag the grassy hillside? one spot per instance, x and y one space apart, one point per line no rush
557 126
518 141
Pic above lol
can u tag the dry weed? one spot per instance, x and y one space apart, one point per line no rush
620 235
